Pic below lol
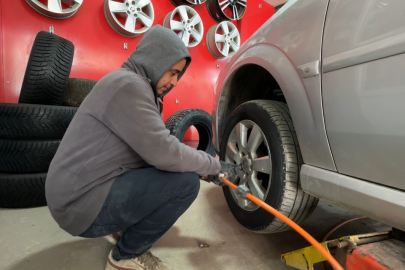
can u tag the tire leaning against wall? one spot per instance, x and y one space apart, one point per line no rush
48 69
179 122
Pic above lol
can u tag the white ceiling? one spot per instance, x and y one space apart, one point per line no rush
276 2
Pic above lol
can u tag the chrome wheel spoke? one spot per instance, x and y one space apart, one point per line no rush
235 13
225 49
225 28
55 6
183 13
256 187
224 4
234 46
233 153
142 3
263 165
176 25
186 38
255 139
130 22
234 33
195 20
197 36
219 38
116 7
241 132
145 19
242 2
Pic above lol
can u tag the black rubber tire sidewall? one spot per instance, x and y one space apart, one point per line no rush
26 156
259 219
182 120
32 121
22 190
77 91
48 69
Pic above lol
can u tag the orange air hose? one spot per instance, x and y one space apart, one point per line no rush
290 223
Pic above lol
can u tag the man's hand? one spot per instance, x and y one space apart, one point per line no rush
229 170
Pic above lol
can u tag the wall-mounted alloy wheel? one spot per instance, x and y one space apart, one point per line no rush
129 18
225 10
190 3
187 24
223 40
56 9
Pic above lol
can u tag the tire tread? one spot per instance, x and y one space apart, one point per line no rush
48 70
22 190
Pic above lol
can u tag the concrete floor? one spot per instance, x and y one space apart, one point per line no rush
31 240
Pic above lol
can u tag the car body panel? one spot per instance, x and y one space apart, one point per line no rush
382 203
280 48
355 120
364 89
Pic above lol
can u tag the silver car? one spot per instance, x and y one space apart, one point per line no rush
313 106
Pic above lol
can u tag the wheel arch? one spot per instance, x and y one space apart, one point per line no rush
263 72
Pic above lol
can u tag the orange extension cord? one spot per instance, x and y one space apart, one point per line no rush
290 223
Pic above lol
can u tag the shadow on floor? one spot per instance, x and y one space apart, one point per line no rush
248 246
233 247
68 256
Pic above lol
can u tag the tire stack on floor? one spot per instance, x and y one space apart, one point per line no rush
30 132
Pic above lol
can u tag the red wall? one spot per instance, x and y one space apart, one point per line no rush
99 49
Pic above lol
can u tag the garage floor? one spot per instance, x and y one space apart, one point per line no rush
30 239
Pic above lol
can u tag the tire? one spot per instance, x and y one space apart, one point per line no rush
22 190
77 91
284 192
48 69
26 156
30 121
180 121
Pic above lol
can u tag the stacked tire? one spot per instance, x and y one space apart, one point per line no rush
31 131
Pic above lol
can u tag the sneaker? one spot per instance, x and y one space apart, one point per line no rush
114 238
146 261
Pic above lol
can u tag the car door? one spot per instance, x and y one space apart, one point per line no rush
363 88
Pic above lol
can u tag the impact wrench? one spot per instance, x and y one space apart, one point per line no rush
244 192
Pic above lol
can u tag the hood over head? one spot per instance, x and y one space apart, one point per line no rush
158 51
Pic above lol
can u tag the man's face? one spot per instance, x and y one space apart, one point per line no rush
169 79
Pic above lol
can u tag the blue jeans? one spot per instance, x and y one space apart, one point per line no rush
143 203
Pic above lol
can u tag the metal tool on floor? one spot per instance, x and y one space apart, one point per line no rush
372 251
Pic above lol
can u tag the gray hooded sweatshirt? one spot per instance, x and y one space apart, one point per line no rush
119 128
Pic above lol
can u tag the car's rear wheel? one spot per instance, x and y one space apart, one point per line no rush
260 135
